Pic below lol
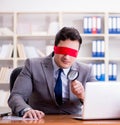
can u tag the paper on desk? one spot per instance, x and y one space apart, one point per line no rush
15 118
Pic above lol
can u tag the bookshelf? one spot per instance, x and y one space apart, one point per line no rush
38 31
26 32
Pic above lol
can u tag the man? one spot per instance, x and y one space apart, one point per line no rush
37 81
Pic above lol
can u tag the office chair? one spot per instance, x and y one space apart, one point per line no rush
13 76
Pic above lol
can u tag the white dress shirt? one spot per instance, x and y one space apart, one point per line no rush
65 86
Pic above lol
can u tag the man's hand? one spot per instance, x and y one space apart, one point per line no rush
34 114
78 89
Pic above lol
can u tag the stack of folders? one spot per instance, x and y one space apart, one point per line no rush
5 74
92 24
99 71
114 24
28 51
98 48
6 51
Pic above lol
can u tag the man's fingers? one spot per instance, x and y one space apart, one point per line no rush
34 114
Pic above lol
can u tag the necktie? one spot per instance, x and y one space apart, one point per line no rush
58 88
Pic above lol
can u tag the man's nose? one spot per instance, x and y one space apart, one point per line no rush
66 56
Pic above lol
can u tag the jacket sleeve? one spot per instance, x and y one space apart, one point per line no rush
21 91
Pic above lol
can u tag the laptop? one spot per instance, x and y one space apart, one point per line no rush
102 101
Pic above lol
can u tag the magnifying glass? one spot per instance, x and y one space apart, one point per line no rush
72 75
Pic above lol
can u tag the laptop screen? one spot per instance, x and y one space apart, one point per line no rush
102 100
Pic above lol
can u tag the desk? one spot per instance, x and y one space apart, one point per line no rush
60 120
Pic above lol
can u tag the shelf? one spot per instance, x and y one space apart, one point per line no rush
38 29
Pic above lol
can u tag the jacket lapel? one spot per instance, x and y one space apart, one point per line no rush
48 69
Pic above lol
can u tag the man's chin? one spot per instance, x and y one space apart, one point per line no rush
65 66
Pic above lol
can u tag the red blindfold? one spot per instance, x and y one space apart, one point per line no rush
65 51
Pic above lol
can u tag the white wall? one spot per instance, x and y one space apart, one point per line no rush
60 5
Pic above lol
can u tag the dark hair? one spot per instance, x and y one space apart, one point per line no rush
68 33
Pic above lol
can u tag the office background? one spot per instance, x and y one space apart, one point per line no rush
13 14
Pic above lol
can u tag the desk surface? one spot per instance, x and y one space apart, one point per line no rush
60 120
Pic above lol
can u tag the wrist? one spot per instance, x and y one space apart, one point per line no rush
24 111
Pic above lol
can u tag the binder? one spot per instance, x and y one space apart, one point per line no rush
94 24
110 25
102 72
114 25
110 72
98 76
114 72
118 25
102 48
99 26
94 67
85 26
94 48
98 48
89 24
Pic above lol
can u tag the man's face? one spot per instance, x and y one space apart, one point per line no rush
65 60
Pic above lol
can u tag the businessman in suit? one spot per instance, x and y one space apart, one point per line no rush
36 82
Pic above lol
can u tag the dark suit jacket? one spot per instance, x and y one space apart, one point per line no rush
35 83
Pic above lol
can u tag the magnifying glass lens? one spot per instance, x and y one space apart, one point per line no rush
73 74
